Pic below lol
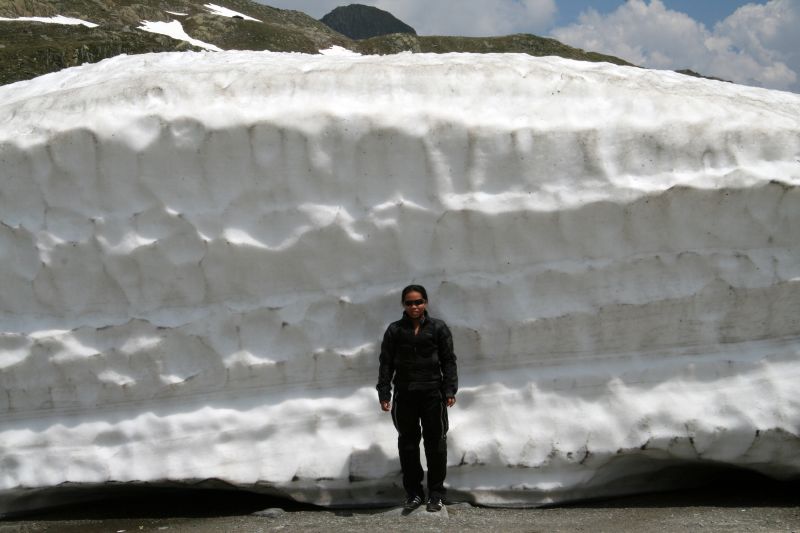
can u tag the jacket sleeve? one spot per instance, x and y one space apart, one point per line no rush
386 369
447 360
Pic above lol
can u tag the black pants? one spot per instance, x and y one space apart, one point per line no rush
409 408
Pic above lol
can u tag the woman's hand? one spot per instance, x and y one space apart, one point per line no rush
451 401
386 406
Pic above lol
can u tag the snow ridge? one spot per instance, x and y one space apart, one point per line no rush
201 252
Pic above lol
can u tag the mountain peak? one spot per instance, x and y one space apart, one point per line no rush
358 21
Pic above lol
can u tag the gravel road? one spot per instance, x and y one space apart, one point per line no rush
773 507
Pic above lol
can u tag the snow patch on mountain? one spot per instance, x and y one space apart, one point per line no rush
57 19
175 30
226 12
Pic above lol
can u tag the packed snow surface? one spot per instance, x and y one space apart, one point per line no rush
200 253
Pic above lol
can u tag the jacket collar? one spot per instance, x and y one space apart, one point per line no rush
422 321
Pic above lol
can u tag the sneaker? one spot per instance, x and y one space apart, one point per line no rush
435 504
412 502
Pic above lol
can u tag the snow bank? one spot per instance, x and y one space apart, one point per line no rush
200 253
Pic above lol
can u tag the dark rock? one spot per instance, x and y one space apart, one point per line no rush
362 22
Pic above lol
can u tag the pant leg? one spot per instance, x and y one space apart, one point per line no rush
405 414
433 414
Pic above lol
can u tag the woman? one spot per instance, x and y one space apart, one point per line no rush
417 358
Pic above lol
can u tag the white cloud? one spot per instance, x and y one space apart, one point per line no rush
449 17
756 45
314 8
477 18
769 34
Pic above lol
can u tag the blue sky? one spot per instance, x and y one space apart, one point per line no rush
754 42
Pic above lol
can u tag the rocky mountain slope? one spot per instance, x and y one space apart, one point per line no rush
30 48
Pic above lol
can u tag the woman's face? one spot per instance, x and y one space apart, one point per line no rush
414 304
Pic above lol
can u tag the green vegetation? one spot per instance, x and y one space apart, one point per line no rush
29 49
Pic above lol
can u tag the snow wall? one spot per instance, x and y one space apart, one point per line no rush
200 254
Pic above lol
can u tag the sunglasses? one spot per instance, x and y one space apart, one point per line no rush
409 303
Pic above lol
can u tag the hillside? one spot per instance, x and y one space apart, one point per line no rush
34 48
31 48
519 43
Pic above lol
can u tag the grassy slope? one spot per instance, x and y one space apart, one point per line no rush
522 43
32 49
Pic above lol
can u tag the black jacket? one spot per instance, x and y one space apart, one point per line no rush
424 361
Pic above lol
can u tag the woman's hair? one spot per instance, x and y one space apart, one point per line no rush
414 288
